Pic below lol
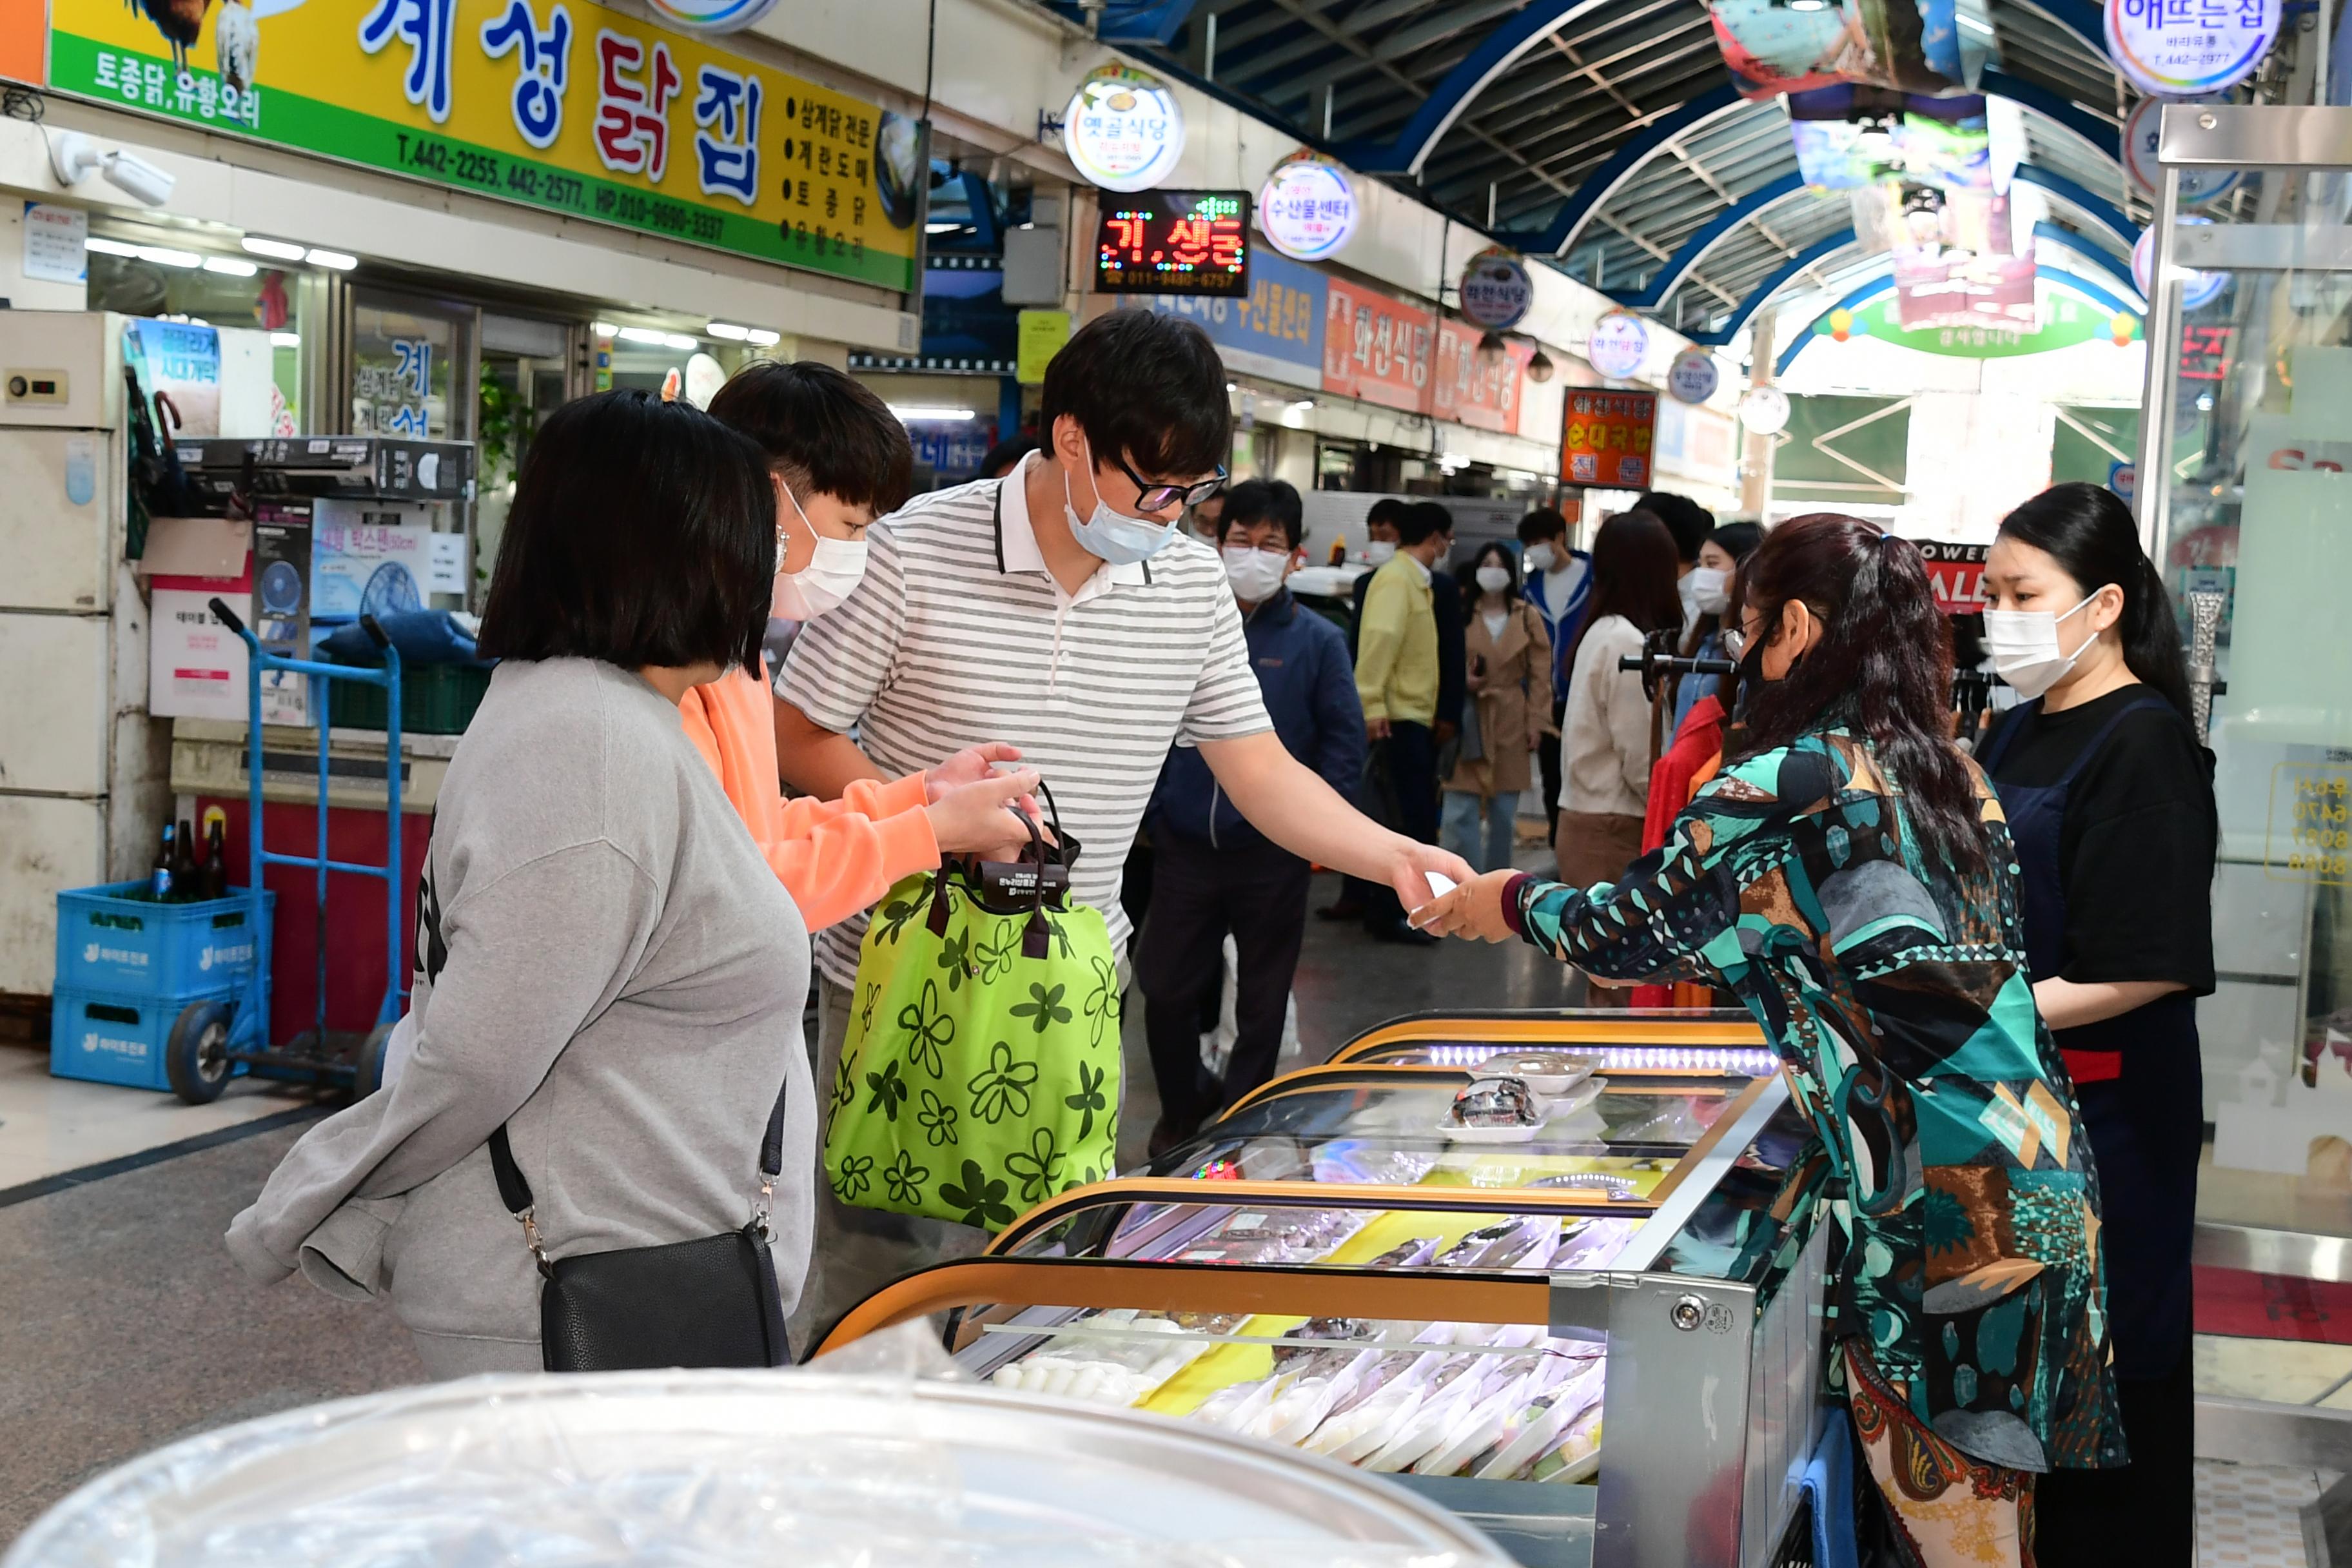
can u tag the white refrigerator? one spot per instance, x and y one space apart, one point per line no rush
84 772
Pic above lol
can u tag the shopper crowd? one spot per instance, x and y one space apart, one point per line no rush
1977 957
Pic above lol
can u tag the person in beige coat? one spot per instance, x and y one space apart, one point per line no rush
1508 674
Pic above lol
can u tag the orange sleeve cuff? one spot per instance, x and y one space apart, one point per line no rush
872 797
906 842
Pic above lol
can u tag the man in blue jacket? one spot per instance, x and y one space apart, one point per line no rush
1215 873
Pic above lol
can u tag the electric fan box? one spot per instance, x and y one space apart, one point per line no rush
375 557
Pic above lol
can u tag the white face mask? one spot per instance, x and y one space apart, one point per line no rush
1493 579
1380 552
1710 589
1114 536
832 574
2024 644
1539 557
1256 574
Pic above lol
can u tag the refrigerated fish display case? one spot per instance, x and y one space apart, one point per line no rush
1626 1291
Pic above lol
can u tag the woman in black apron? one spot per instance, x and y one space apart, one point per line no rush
2110 804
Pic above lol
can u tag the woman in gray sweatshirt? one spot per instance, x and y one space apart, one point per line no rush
607 967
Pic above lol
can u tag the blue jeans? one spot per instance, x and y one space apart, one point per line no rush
1460 831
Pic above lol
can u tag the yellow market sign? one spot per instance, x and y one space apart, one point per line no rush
558 104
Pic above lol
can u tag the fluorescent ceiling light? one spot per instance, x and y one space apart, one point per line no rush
164 255
230 265
1231 386
761 337
335 260
729 330
109 247
275 249
943 228
643 335
1302 405
681 342
285 340
910 413
603 329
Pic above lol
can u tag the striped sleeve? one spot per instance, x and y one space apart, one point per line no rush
1226 703
846 659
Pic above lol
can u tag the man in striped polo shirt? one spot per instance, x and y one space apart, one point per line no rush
1059 609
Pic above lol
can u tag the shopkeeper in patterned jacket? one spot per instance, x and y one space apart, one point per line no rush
1850 876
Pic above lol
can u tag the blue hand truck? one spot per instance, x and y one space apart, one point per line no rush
213 1038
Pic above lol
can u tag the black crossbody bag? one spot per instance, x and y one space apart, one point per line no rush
711 1302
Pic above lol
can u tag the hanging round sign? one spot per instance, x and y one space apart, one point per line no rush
1496 292
1306 207
1123 129
2197 186
2180 51
1619 345
713 16
2198 289
1764 410
1694 377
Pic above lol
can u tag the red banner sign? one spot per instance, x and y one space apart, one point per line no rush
1377 349
1957 572
1606 438
1472 391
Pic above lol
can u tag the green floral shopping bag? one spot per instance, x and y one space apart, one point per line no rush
981 1075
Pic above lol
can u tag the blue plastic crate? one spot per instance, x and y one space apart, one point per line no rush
107 1037
130 947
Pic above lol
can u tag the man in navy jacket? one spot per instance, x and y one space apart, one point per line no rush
1214 872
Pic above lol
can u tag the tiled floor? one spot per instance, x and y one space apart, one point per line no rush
53 1124
2251 1516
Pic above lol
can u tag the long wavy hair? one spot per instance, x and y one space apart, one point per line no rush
1881 667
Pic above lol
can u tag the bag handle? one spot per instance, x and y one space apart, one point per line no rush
515 1193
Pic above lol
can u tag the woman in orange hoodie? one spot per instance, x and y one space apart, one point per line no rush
840 458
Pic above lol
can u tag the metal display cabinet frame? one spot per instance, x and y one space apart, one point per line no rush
1710 1409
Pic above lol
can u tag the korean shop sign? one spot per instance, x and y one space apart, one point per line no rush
557 104
1274 330
1606 436
1377 349
2182 48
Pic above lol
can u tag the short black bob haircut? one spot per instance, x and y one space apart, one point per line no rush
1146 388
1264 501
824 433
643 533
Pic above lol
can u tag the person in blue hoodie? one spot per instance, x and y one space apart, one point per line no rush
1214 872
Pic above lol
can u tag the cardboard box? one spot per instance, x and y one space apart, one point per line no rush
352 465
281 605
208 547
374 557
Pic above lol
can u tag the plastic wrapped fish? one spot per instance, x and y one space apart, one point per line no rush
1494 1102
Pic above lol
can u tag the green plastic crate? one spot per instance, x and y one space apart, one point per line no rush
434 699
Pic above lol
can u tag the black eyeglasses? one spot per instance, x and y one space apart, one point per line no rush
1158 497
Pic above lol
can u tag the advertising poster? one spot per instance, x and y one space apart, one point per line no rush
1476 392
181 361
1957 573
1606 438
558 104
1377 349
1773 47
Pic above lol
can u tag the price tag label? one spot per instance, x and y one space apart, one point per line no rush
2309 836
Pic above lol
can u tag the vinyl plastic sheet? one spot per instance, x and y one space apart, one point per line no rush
716 1469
